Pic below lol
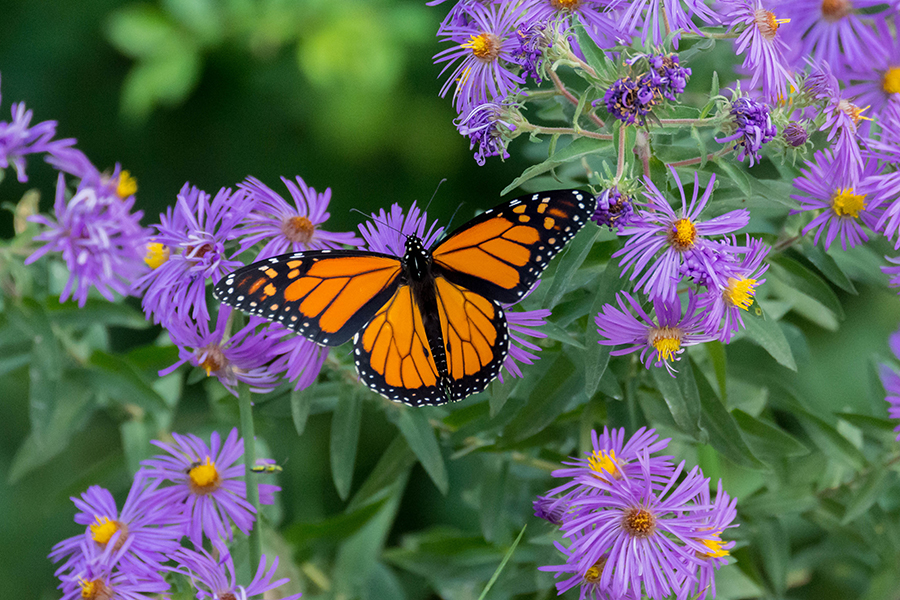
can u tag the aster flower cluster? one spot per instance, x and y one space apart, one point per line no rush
636 525
631 98
195 491
752 128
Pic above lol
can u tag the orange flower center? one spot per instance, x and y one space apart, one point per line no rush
565 4
215 359
95 589
768 24
298 229
639 522
853 111
595 572
204 478
485 46
835 10
666 341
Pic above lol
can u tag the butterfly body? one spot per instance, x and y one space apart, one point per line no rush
428 327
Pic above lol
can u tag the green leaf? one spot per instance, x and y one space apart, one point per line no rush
736 174
345 424
596 356
592 54
549 398
873 484
831 442
579 147
828 267
572 258
774 546
868 422
419 434
95 312
491 495
301 402
334 528
498 394
766 440
724 433
681 396
768 335
801 279
135 443
165 79
141 31
701 145
716 351
123 383
393 465
503 562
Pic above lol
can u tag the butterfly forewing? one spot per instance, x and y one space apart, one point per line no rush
502 252
325 295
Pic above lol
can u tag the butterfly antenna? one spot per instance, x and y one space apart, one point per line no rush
427 206
453 216
372 217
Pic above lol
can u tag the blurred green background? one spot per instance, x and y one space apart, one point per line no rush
343 94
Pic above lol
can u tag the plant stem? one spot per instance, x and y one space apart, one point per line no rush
620 160
642 150
561 87
248 432
567 131
696 160
698 122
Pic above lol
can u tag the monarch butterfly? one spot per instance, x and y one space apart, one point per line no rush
429 327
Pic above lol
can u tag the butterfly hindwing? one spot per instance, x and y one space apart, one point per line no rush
501 252
392 351
325 295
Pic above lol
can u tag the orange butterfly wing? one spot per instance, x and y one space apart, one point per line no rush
503 251
325 295
393 356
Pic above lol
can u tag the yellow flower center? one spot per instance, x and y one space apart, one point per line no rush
667 341
715 549
485 46
639 522
204 477
298 229
157 254
103 530
95 590
853 111
768 24
127 185
891 81
594 573
602 463
847 204
739 292
835 10
683 234
215 359
565 4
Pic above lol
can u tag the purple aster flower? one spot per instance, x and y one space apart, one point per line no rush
243 356
216 578
387 232
100 240
831 30
761 44
645 15
300 359
98 580
752 128
649 529
534 38
490 129
614 209
878 77
630 99
589 582
523 323
594 15
19 138
795 134
720 518
188 251
136 538
657 229
890 379
119 184
483 54
288 228
726 301
667 74
550 509
843 194
661 340
208 490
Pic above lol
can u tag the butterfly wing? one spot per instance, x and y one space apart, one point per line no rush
325 295
392 352
501 252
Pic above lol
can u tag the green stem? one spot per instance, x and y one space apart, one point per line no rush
248 432
697 122
620 164
567 131
697 160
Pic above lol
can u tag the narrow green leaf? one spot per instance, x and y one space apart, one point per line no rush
394 462
498 394
503 562
94 312
596 355
492 496
716 352
827 266
419 434
301 402
831 442
873 484
335 528
681 396
768 335
776 553
801 279
135 443
767 440
579 147
868 422
724 433
701 145
549 398
592 54
345 424
123 383
572 258
735 174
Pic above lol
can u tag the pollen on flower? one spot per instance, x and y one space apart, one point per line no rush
853 111
835 10
214 360
891 81
683 234
639 522
298 229
204 477
667 341
715 549
103 530
739 292
485 46
768 24
95 589
565 4
847 204
602 463
127 185
595 572
157 254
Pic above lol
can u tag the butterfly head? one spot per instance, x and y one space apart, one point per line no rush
417 259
